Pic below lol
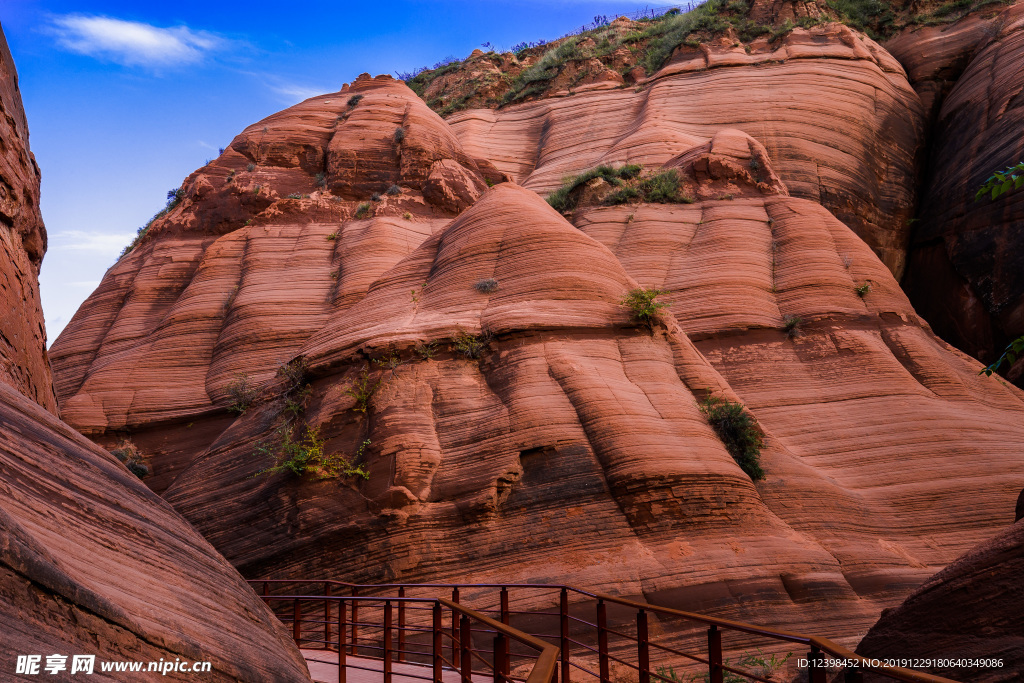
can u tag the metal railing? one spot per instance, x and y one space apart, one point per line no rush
588 632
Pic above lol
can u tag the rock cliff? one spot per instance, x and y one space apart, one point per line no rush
971 609
91 561
468 349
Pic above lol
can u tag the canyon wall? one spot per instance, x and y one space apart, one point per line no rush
529 429
91 561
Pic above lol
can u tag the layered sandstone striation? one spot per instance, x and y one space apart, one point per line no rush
91 561
967 256
972 609
515 421
834 110
23 361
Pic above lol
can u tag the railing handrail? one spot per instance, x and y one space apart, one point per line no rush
823 644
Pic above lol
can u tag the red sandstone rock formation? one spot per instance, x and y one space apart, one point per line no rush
23 362
834 110
973 609
967 258
91 561
572 448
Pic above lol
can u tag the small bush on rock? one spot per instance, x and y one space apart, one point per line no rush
243 393
363 210
643 303
469 345
128 453
486 286
739 431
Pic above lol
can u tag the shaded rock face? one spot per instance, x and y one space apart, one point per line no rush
528 429
23 361
91 561
967 257
974 608
834 111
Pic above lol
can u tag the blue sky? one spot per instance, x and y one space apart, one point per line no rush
125 99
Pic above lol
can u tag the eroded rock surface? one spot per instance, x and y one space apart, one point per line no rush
92 561
515 422
972 609
967 257
23 361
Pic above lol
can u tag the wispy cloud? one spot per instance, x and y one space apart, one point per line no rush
291 92
132 43
100 243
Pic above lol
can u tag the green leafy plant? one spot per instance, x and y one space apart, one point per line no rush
362 390
333 236
1010 354
644 304
426 350
862 290
470 346
308 454
295 195
564 199
242 392
1001 182
363 210
739 431
407 216
792 326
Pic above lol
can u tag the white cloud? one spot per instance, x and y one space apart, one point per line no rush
132 43
292 93
100 243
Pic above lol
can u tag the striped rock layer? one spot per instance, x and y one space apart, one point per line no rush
91 561
466 345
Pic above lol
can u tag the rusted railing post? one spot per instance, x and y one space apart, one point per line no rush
563 631
505 615
355 623
438 644
387 641
341 642
327 616
853 674
455 629
715 671
500 662
466 645
816 673
297 623
401 625
602 641
643 650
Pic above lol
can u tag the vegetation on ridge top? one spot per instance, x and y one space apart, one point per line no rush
533 70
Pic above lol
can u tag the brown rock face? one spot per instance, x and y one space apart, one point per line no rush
974 609
23 361
967 257
834 111
515 422
91 561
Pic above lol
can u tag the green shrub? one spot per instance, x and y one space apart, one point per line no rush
295 195
426 350
739 431
375 197
394 190
399 135
643 303
562 199
362 390
308 455
862 290
469 345
354 100
792 325
407 216
622 196
243 393
363 210
321 180
128 453
333 236
662 188
1002 182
